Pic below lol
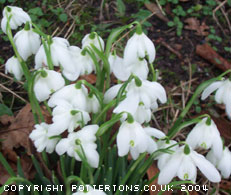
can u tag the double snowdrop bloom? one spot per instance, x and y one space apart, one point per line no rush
93 39
27 42
65 116
223 164
136 139
139 46
47 82
206 135
183 163
41 139
16 15
76 96
89 191
223 94
82 139
14 67
60 55
145 94
83 63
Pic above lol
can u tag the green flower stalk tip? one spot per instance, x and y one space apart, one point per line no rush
44 73
208 121
139 29
8 9
27 26
186 149
78 85
92 35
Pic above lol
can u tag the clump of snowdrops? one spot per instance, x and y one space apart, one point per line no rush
89 150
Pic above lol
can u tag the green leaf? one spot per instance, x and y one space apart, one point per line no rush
63 17
121 7
229 2
171 24
2 1
36 11
5 110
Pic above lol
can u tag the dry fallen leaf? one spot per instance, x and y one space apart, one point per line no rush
194 24
91 78
208 53
155 9
6 119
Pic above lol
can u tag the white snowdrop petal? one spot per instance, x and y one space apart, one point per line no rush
62 146
206 167
111 93
210 89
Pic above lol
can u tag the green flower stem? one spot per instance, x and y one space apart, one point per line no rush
6 166
131 170
71 179
63 168
154 78
47 49
106 65
17 180
72 165
97 68
47 107
196 94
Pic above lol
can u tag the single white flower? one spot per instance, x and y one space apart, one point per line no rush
27 43
14 67
78 97
93 105
139 46
142 114
222 95
17 17
83 63
206 135
84 138
114 60
60 55
47 82
133 138
90 191
65 116
146 94
183 164
94 39
41 139
223 164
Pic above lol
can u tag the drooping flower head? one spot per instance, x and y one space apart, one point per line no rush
16 15
183 163
206 135
223 94
27 42
14 67
93 38
47 82
83 139
41 139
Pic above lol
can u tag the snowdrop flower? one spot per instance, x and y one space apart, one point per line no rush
222 95
47 82
146 94
142 114
206 135
84 137
60 55
41 139
18 17
76 96
83 63
94 39
139 46
65 116
114 60
14 67
132 137
223 164
93 105
183 164
90 191
27 42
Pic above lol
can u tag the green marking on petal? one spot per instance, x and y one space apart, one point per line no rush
186 176
132 143
204 145
74 112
